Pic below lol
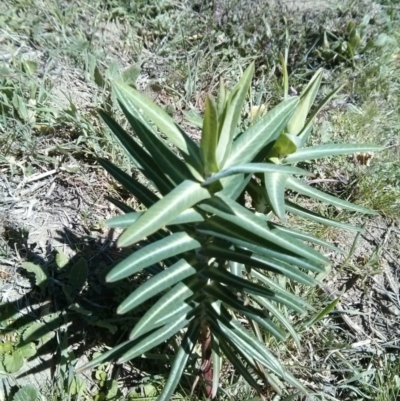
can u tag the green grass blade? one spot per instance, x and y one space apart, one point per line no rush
307 190
143 194
180 361
303 236
267 129
319 316
209 139
229 123
278 315
190 151
316 152
252 168
183 197
155 252
298 303
160 282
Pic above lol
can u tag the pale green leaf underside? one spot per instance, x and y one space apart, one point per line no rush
158 283
328 150
166 209
304 189
267 129
153 253
252 168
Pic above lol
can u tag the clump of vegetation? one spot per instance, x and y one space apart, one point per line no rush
203 239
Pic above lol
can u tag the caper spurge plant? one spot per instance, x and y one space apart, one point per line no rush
214 258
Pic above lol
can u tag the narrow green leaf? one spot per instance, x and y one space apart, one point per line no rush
180 361
141 158
297 121
307 214
168 304
275 187
233 212
278 315
236 362
256 349
194 118
296 303
252 168
209 139
126 220
328 150
123 220
113 353
216 364
157 337
232 115
160 282
244 339
190 151
323 313
266 130
241 284
224 294
306 130
307 237
155 252
187 194
171 165
220 228
251 259
120 205
304 189
221 100
143 194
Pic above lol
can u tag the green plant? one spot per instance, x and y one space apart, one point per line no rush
214 259
348 45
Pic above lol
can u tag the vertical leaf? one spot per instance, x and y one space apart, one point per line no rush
209 139
296 123
232 116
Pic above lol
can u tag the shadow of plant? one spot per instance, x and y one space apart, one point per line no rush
69 313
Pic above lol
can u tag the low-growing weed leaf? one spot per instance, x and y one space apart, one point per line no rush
26 393
40 273
13 362
78 274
